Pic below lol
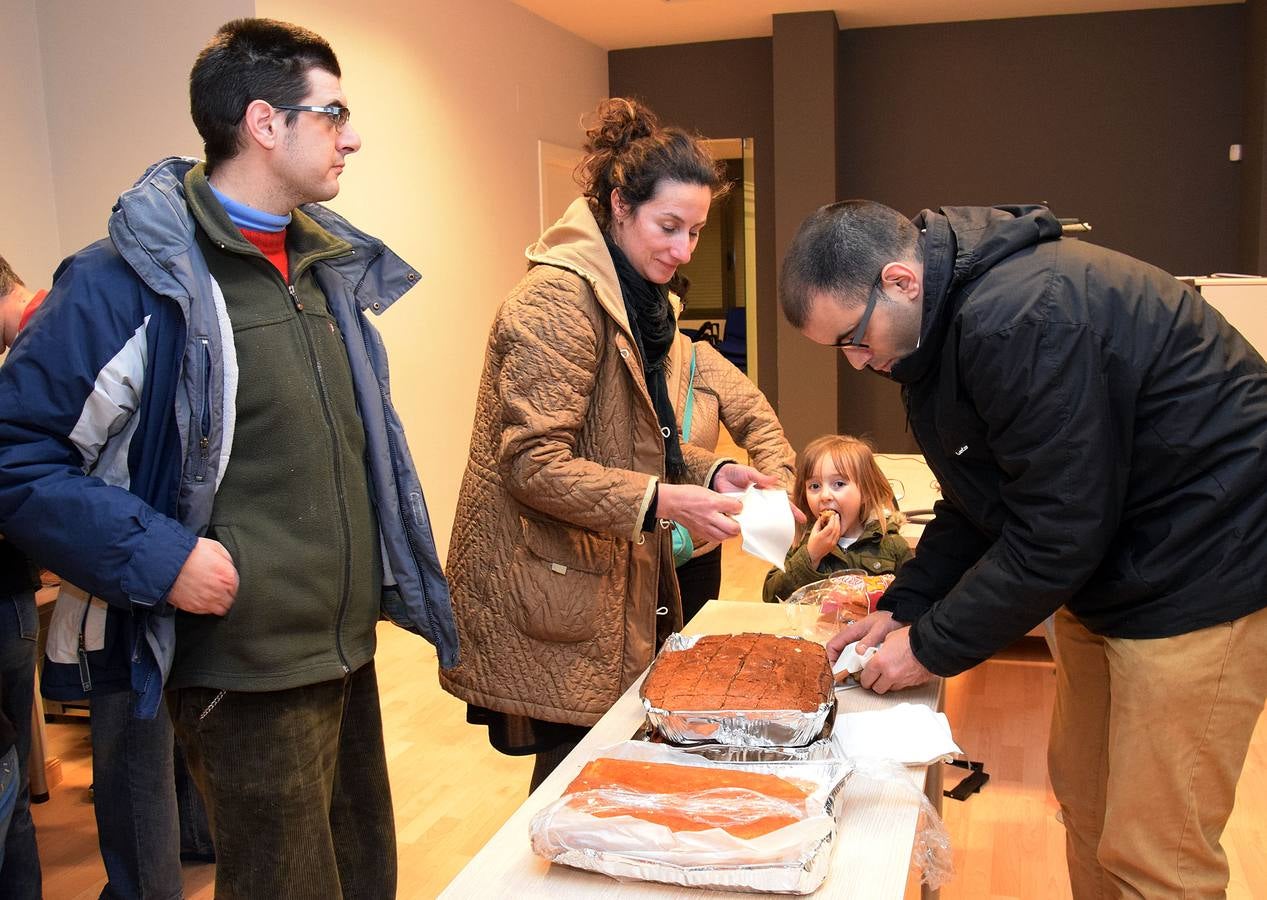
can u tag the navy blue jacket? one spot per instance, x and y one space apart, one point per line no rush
116 423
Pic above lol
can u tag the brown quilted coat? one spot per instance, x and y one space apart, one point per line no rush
725 395
555 586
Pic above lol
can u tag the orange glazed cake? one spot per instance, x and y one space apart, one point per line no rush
741 672
746 804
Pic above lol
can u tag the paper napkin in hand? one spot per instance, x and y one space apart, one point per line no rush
766 524
850 661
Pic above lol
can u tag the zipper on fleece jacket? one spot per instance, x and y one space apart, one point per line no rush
328 417
337 458
204 411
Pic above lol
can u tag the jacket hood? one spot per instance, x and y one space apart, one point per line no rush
962 243
153 228
575 243
873 530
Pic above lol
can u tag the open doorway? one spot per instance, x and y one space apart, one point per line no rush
723 269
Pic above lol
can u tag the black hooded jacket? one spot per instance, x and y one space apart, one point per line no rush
1100 437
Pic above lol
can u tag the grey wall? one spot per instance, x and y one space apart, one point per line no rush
1122 118
1253 237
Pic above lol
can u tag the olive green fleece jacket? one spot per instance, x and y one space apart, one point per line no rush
875 552
293 508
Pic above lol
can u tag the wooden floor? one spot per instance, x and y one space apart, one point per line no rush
452 791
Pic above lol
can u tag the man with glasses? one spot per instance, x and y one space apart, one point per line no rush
1099 434
218 448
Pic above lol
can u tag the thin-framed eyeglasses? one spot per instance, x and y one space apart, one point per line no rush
339 115
854 341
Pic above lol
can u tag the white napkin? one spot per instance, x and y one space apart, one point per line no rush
911 734
766 524
849 660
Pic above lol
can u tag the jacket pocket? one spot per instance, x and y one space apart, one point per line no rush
559 578
78 625
200 409
225 536
875 565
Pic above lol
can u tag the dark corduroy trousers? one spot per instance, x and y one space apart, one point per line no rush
296 788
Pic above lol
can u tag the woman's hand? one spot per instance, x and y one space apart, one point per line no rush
706 514
823 537
734 477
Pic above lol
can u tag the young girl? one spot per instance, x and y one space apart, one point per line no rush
853 516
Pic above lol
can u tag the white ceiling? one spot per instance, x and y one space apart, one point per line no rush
620 24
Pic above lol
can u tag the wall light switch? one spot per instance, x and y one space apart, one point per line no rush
1234 153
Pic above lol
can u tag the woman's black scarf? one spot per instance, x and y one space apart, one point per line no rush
654 328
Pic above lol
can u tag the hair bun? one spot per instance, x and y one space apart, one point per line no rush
618 122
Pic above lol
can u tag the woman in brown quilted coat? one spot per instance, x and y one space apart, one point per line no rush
560 563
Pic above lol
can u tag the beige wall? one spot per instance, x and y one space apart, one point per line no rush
28 225
450 99
116 91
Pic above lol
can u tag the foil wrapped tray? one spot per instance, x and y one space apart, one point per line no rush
822 750
736 727
803 878
601 845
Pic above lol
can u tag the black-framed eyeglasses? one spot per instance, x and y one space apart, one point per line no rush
339 115
855 339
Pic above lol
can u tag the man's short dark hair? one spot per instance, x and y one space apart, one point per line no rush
8 278
839 250
251 59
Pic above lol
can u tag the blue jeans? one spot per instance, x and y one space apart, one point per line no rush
8 794
142 817
19 625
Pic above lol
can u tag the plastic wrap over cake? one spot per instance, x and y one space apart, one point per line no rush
734 724
652 813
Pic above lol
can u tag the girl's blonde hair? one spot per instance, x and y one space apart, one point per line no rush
855 458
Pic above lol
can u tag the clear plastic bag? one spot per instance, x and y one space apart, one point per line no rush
931 854
818 610
765 827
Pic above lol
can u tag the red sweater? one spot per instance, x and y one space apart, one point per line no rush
273 245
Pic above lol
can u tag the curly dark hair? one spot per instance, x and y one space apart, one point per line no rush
627 150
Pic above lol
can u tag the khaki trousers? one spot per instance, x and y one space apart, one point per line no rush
1147 743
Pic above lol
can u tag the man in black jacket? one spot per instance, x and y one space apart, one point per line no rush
1100 437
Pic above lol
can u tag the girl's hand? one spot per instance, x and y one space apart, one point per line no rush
823 536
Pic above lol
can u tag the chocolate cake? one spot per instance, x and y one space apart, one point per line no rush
741 672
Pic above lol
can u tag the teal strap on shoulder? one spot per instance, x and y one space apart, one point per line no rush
683 546
690 400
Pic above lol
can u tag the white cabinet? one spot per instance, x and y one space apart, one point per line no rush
1243 302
